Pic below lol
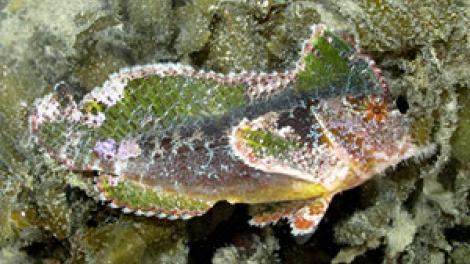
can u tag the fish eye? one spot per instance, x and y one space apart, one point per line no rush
402 104
377 110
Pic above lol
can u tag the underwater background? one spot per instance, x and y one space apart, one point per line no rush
417 212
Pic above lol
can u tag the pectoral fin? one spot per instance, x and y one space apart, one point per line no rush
306 220
266 214
303 216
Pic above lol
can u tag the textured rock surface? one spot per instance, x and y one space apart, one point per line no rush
416 213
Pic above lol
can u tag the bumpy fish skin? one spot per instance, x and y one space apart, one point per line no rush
170 141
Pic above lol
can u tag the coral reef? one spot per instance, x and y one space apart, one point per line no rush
461 146
417 212
249 249
131 241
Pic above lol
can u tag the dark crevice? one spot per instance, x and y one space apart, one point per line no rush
199 57
413 197
458 234
402 104
202 249
123 10
448 175
48 249
371 257
175 4
393 69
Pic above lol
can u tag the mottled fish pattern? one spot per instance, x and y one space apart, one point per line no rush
170 141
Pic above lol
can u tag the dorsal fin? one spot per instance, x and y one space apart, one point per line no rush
331 65
144 101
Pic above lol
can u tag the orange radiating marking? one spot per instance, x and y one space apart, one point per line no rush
377 111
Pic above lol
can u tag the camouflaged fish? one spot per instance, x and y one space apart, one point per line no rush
170 141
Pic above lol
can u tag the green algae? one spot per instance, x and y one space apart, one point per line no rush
152 29
14 255
460 140
244 39
55 214
193 21
93 69
460 254
237 43
128 241
109 42
15 168
287 26
395 25
7 199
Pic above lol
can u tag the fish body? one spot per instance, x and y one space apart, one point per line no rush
170 141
